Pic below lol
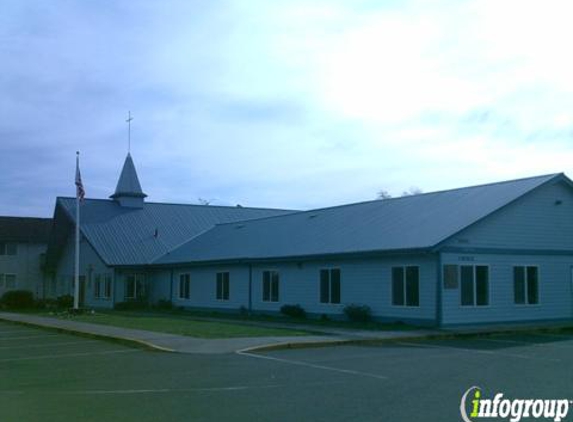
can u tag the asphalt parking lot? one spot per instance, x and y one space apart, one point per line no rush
48 376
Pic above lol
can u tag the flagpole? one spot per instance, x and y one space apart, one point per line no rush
77 258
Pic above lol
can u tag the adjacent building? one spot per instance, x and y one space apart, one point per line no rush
500 252
23 244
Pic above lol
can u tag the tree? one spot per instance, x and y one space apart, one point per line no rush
203 201
383 194
414 190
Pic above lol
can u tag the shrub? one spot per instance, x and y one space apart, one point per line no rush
164 304
243 311
65 301
18 299
131 305
48 303
358 313
293 311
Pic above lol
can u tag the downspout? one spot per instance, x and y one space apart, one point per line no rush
439 310
250 288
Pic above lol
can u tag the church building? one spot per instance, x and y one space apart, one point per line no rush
501 252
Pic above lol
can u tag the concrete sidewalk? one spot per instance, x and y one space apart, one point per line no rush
184 344
322 336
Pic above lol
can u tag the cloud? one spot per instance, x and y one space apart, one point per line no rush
294 104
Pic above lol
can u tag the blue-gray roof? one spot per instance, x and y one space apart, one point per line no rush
133 236
128 182
407 223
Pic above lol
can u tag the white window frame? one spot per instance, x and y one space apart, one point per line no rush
525 267
136 278
97 286
270 299
107 287
329 269
184 278
223 298
404 286
474 265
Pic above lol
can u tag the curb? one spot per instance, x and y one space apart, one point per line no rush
328 343
437 336
127 341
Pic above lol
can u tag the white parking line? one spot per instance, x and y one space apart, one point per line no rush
477 351
312 365
28 337
70 355
34 346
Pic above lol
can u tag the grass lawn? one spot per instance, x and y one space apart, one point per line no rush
308 322
187 326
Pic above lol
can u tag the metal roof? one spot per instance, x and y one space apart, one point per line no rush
406 223
25 229
128 183
135 236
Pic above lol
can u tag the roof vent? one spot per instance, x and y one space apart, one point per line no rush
312 216
239 226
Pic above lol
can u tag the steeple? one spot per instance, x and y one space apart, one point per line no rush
128 192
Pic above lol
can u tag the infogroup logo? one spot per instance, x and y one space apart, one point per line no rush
473 407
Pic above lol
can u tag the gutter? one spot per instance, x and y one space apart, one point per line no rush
313 257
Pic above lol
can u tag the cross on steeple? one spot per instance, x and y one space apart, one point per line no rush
128 121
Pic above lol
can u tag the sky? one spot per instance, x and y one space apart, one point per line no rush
287 104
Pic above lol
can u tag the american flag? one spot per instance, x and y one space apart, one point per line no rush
80 192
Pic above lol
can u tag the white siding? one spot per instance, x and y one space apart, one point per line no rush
25 265
555 290
542 219
90 264
204 285
366 281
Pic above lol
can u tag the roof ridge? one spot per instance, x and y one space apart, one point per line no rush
406 197
187 205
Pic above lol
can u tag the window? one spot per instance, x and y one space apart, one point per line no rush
270 286
97 290
8 248
451 277
102 286
107 286
223 286
330 285
11 248
134 286
475 285
10 281
525 285
406 286
184 286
